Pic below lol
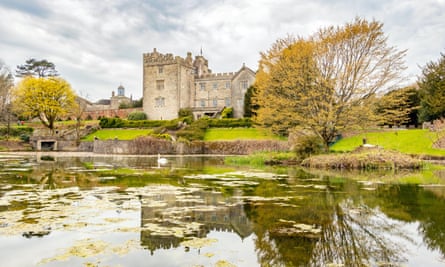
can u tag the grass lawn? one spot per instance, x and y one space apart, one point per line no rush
216 134
414 141
121 134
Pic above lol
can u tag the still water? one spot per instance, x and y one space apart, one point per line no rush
193 211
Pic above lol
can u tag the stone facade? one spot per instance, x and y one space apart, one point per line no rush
171 83
108 107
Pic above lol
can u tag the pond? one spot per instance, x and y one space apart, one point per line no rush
86 210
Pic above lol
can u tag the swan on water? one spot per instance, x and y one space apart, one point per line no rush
162 160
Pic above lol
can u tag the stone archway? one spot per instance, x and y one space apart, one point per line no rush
47 145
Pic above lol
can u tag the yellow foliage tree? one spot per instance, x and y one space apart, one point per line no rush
328 82
48 99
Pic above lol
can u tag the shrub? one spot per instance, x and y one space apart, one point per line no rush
120 123
195 131
124 105
111 123
308 145
189 119
185 112
137 116
24 137
191 134
22 132
16 131
164 136
227 113
172 124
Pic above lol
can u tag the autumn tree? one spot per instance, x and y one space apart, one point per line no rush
328 82
48 99
432 90
37 68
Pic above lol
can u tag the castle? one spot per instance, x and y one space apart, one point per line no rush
171 83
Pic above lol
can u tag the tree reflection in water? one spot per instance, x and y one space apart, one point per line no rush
354 230
345 225
358 236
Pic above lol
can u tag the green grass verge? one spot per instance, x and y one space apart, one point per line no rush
121 134
219 134
417 142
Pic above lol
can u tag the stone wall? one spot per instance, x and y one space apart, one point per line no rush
153 146
109 113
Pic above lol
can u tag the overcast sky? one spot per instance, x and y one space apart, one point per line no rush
98 45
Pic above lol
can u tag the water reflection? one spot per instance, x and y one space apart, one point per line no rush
87 210
194 214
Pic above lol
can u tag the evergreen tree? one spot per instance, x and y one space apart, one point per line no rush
432 90
37 68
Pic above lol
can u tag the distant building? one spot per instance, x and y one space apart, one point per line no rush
110 107
117 100
171 83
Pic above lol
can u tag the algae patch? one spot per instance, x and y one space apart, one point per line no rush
223 263
87 248
199 242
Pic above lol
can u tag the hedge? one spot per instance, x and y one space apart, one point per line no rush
120 123
230 123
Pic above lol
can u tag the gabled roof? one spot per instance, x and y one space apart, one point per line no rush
244 68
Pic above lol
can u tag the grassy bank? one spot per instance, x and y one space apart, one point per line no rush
120 134
415 142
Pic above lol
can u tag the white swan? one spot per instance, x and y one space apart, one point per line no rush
162 161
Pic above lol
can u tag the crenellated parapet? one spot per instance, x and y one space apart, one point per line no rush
155 58
218 76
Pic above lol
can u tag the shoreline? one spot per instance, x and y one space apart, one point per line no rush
92 154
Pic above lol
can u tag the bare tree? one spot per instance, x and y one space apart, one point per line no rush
6 84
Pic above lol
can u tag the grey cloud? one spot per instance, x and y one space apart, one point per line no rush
31 7
98 45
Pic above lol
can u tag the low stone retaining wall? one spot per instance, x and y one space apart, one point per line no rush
153 146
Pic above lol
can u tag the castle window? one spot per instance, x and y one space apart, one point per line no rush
243 84
160 102
215 86
215 102
160 84
228 85
203 103
160 69
228 102
202 86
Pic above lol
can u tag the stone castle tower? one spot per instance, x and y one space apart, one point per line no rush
171 83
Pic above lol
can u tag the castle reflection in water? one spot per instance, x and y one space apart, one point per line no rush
209 211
